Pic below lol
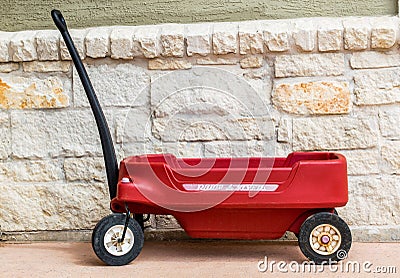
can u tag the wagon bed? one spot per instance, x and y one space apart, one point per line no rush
234 197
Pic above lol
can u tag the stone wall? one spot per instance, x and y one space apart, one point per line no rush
199 90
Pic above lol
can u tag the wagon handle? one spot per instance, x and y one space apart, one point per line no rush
107 145
59 20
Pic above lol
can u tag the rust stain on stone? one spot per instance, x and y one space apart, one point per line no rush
3 88
48 94
313 98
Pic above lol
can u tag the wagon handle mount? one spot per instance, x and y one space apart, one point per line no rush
107 145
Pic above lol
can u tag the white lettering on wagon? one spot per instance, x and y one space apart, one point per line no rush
230 187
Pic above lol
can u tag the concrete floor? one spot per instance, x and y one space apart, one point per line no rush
187 258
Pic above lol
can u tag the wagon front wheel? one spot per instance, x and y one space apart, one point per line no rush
325 237
107 244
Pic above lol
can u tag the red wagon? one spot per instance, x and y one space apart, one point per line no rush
235 198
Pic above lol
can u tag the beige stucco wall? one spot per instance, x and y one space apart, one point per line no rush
22 15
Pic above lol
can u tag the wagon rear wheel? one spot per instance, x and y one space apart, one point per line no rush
325 237
107 244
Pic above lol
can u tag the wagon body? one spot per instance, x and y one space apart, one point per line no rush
242 198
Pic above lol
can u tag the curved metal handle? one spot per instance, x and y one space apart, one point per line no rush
59 20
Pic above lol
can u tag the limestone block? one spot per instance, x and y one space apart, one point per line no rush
260 80
31 171
121 84
198 39
356 33
78 36
372 59
85 169
38 66
202 91
5 38
47 45
55 133
375 87
258 74
208 104
209 128
8 67
305 35
276 36
5 135
334 133
330 35
251 62
389 122
121 39
283 149
368 205
23 46
315 98
52 206
97 42
133 125
309 65
215 60
179 149
27 93
285 130
172 40
383 33
251 38
390 155
239 149
169 64
146 42
126 149
225 38
362 162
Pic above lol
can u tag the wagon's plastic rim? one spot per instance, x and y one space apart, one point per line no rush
112 244
335 239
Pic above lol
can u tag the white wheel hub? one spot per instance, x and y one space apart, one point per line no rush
113 237
325 239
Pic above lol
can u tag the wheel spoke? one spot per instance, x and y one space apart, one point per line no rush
108 237
109 244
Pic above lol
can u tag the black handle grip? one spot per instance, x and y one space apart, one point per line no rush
59 20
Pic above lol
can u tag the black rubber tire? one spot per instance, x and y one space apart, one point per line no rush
324 218
100 231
